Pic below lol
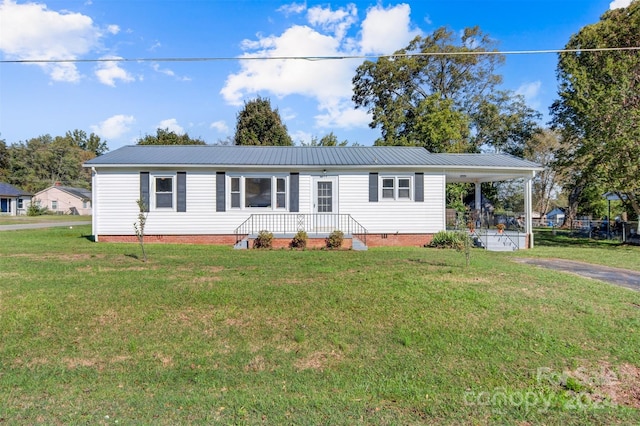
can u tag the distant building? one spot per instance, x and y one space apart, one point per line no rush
556 217
65 200
13 201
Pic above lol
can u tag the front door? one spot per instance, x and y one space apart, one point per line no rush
5 205
325 195
325 204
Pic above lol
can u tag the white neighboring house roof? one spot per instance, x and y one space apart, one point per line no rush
457 167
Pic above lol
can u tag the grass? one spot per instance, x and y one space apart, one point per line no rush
16 220
602 252
205 334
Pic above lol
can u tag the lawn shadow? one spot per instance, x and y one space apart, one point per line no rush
90 238
549 238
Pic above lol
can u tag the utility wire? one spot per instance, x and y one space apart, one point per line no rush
320 58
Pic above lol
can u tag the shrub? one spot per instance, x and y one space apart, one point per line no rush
448 239
299 240
34 208
263 240
334 240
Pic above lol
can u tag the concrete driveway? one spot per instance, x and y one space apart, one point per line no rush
621 277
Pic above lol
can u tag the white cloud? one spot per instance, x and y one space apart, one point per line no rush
169 72
335 21
114 127
328 82
387 30
300 137
31 31
172 125
109 72
617 4
530 92
113 29
292 9
220 126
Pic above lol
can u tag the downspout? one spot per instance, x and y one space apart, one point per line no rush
94 216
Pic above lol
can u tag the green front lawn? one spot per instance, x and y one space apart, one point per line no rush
16 220
205 334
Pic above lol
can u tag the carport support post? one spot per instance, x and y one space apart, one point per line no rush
528 223
478 202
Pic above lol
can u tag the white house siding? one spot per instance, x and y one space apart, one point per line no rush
393 216
116 210
114 202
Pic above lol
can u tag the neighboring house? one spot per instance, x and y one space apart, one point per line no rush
224 194
13 201
65 200
555 217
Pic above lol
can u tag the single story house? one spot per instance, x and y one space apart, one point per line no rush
227 194
555 217
13 201
65 199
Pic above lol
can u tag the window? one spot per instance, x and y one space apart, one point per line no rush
396 188
258 192
54 205
388 188
86 204
164 192
20 203
281 193
235 192
404 186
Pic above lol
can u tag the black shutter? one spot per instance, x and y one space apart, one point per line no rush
182 191
294 192
221 192
373 187
144 190
419 187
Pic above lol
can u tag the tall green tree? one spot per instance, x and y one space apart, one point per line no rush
4 161
41 162
541 149
598 109
329 139
169 137
440 92
90 143
259 124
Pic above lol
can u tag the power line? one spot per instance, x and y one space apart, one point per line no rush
319 58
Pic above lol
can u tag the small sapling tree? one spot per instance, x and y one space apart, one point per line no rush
139 226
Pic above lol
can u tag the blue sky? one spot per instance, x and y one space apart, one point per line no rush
123 101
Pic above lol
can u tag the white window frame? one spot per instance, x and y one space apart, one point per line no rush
153 194
274 191
396 188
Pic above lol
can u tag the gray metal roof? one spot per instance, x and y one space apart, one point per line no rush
275 156
81 193
11 191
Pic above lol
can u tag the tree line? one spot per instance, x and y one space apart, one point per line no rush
449 103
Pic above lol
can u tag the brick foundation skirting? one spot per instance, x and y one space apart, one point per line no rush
373 240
